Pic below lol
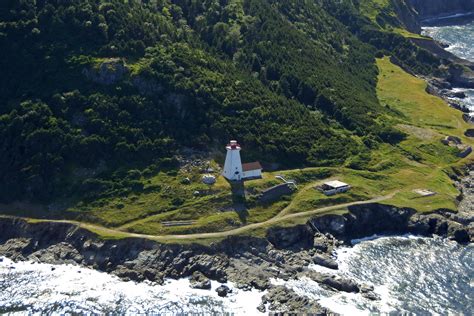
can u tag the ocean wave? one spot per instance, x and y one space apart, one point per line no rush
29 287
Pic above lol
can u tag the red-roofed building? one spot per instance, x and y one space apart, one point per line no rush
252 170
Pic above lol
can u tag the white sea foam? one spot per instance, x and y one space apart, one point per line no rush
410 274
29 287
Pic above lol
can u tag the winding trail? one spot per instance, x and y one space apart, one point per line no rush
190 237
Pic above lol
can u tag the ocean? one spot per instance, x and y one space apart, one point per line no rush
33 288
416 275
410 274
460 39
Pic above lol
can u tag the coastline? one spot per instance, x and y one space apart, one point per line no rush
248 262
458 18
460 82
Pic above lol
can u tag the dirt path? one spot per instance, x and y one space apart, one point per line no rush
237 231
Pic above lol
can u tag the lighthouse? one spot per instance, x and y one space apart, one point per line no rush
233 164
234 170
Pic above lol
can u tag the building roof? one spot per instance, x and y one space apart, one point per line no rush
252 166
336 184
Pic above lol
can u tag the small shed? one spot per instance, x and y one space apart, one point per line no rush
334 187
252 170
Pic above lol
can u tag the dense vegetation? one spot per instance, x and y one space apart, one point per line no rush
93 91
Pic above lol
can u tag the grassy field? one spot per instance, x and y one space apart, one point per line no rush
373 9
421 161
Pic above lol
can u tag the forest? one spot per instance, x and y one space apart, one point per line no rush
93 89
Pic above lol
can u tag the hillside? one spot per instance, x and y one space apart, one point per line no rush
95 86
107 105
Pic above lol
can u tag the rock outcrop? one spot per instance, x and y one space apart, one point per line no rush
428 9
372 219
109 72
286 301
464 150
248 262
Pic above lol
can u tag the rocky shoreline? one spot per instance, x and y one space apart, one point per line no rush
248 262
460 72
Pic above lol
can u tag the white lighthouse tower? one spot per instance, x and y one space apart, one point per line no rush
234 170
233 165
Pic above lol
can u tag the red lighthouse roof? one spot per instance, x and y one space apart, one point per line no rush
251 166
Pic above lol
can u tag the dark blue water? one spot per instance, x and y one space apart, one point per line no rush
412 275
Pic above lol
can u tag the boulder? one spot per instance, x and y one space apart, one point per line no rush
208 179
371 296
212 266
333 281
323 243
468 118
320 244
325 261
186 181
341 284
200 281
464 151
223 290
469 133
453 139
260 284
285 301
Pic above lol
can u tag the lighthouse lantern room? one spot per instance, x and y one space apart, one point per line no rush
233 168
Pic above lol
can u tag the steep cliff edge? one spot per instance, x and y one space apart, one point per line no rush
248 262
427 9
413 13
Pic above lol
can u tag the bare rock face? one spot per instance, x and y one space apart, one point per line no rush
370 219
223 290
465 151
334 282
298 236
453 141
325 261
282 300
468 118
461 76
108 72
200 281
436 8
249 262
407 15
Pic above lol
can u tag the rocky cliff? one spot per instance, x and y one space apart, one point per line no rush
412 13
428 9
248 262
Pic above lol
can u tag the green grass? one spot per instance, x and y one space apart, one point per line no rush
421 161
373 8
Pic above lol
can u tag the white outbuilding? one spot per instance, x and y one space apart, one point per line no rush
252 170
334 187
233 168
